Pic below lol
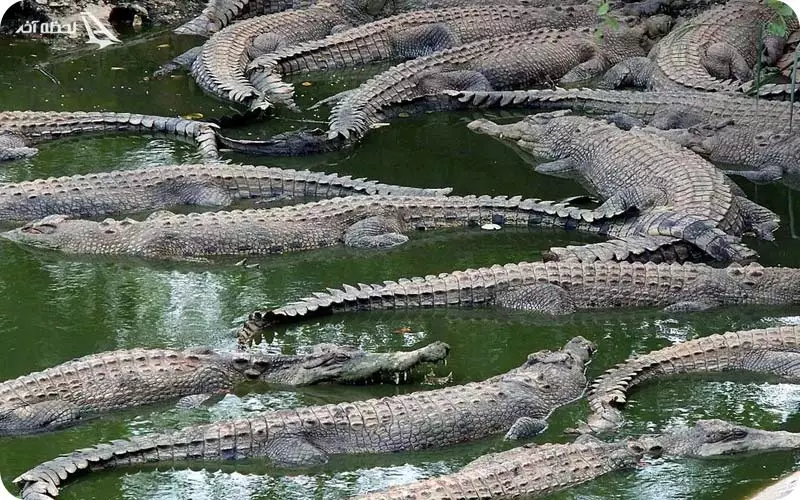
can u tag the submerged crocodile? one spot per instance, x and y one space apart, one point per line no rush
716 51
209 184
404 36
515 60
664 110
634 169
551 288
516 403
365 222
536 470
69 393
19 130
773 351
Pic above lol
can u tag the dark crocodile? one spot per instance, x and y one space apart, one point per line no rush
771 154
551 288
773 351
69 393
717 50
515 403
404 36
19 130
664 110
208 184
635 169
360 222
536 470
509 61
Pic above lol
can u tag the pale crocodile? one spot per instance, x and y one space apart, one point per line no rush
551 288
404 36
19 130
717 50
664 110
509 61
532 471
634 169
773 351
69 393
207 184
366 222
515 403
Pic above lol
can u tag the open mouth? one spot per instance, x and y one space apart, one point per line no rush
425 372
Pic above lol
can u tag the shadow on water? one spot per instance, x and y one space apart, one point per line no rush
54 307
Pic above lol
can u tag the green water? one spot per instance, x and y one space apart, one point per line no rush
53 308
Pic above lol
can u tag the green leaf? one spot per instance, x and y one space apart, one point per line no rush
603 9
612 23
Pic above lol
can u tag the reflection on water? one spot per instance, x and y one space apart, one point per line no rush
53 308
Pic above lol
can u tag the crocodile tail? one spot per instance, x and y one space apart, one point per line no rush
710 354
295 143
205 442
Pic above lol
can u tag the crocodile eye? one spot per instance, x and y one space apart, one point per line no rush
341 357
39 229
261 365
739 433
240 362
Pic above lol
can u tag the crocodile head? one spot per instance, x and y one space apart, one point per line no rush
334 363
61 232
554 377
763 285
540 136
717 438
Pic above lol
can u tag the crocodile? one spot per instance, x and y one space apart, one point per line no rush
513 60
403 36
774 351
551 288
219 66
374 221
515 403
770 154
19 130
633 169
535 470
219 13
664 110
208 184
717 50
69 393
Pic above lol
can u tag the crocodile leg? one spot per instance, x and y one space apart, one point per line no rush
266 43
183 61
543 297
375 232
44 416
769 173
635 72
724 61
585 71
432 83
423 40
525 427
14 147
762 221
639 197
295 451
